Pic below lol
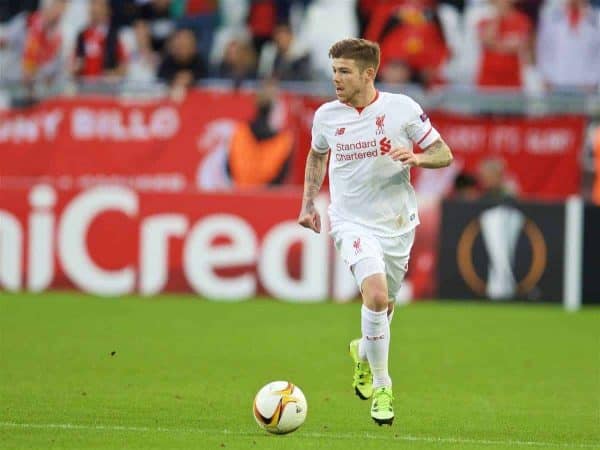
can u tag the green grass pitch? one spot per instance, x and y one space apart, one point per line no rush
177 372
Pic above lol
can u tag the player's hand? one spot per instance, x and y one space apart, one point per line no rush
405 156
310 218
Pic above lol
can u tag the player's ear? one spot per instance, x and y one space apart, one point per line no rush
370 72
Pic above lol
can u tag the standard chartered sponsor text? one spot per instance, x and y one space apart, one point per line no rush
352 153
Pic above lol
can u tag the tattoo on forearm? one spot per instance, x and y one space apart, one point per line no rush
316 164
436 155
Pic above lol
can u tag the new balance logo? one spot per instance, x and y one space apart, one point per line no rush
385 145
339 131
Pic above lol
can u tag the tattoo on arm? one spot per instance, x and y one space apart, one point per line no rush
316 164
436 155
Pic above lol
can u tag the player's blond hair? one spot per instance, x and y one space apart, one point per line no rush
366 53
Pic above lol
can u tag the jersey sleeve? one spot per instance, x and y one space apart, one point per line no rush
419 128
319 142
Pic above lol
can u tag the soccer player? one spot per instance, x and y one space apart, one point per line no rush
373 210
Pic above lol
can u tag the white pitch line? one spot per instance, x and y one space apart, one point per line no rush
339 436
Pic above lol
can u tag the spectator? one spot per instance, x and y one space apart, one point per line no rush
259 155
396 71
74 20
182 66
285 58
157 14
290 10
466 42
201 17
12 43
410 31
255 20
506 46
568 46
492 180
462 53
43 42
143 60
99 51
325 22
239 61
232 25
465 187
261 22
364 13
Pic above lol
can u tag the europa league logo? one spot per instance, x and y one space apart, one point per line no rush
500 228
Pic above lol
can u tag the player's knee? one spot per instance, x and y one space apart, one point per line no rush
377 300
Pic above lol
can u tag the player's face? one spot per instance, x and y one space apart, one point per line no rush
349 81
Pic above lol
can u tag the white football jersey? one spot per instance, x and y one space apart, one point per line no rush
366 186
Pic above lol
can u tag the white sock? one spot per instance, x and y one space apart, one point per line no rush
376 335
362 350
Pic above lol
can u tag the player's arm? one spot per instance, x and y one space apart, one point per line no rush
434 156
314 174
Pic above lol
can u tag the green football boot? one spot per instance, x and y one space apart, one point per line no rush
382 411
363 378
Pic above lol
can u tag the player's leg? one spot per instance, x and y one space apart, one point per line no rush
375 327
364 257
378 300
390 310
360 343
376 333
363 378
396 256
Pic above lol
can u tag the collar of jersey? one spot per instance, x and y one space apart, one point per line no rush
361 108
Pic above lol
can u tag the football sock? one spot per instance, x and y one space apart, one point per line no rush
362 351
376 336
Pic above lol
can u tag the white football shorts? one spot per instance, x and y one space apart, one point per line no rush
366 254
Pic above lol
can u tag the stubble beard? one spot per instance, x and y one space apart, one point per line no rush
349 96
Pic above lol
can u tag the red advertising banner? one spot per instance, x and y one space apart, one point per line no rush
541 154
152 145
159 145
113 240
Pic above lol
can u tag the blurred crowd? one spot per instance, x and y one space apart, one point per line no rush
489 182
534 45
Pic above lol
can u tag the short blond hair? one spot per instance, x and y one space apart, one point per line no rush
366 53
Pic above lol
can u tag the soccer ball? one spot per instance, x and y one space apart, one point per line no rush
280 407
